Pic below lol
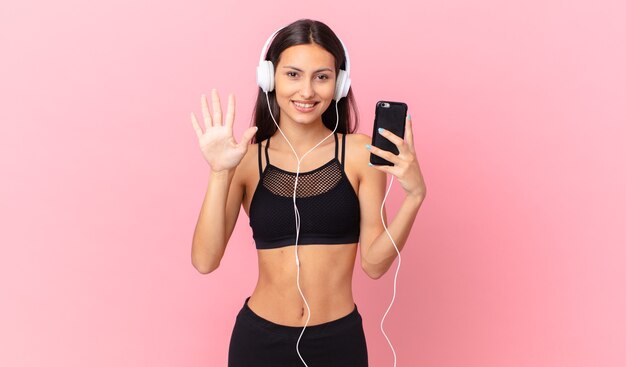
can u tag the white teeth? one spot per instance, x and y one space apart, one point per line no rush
303 105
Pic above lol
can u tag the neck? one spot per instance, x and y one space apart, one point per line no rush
302 137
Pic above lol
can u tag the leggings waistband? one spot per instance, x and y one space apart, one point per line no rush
350 320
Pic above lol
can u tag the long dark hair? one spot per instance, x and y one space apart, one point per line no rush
300 32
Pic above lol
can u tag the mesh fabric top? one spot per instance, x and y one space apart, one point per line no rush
328 206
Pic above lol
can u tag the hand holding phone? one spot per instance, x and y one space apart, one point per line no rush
390 116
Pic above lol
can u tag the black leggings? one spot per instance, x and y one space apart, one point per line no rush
257 342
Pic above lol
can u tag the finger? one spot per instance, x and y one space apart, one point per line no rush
217 108
196 126
205 112
384 154
247 135
393 138
230 112
408 133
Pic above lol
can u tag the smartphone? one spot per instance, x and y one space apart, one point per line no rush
390 116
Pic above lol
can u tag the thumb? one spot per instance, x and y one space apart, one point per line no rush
247 135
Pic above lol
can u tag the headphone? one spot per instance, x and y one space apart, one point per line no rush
265 72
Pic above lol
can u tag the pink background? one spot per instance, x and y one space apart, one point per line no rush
516 257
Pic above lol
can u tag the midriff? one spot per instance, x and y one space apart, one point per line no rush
325 279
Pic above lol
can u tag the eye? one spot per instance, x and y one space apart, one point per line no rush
292 74
323 76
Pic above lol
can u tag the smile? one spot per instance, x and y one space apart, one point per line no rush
305 107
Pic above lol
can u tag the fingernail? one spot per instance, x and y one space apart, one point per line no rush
408 116
380 130
368 147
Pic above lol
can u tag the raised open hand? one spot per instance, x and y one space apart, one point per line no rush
217 143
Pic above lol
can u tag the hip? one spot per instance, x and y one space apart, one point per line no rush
256 341
286 307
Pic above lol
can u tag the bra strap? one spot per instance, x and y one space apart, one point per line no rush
260 164
343 149
267 156
336 147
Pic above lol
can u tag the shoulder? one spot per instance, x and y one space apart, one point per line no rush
357 156
355 141
372 181
357 138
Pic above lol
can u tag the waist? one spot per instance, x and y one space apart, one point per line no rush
325 279
330 327
290 310
321 266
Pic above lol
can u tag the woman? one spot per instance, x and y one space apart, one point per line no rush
338 197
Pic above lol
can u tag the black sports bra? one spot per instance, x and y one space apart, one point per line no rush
328 206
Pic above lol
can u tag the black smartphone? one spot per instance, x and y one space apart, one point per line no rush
390 116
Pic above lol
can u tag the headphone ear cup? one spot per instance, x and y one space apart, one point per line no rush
265 75
342 86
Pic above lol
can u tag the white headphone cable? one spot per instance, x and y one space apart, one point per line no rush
297 220
297 213
396 276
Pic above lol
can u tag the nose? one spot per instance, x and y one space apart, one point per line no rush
306 90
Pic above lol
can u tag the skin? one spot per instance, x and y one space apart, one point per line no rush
305 73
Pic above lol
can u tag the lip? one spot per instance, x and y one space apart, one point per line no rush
305 110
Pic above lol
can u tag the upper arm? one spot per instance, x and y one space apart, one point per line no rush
372 184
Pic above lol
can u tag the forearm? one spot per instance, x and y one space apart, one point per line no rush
209 240
381 253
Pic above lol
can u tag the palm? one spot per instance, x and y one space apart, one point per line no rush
220 148
217 143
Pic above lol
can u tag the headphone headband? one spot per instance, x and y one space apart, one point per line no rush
267 43
271 38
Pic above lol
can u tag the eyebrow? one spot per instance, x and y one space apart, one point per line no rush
300 70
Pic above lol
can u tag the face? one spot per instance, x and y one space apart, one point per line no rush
305 83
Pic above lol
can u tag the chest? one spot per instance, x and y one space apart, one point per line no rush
252 182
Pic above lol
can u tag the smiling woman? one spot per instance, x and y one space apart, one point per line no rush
303 93
302 309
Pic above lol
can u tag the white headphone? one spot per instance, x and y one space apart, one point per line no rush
265 72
